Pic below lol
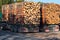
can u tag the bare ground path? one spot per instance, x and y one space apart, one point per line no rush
5 35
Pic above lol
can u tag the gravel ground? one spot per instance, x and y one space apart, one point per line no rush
5 35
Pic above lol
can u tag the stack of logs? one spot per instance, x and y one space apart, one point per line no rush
51 13
5 13
32 16
11 15
12 12
19 18
26 13
30 13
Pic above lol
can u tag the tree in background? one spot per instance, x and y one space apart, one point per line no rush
10 1
0 4
7 1
19 0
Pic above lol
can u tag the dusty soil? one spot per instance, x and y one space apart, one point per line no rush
5 35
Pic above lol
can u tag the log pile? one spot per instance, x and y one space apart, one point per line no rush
28 14
12 12
51 13
11 15
32 13
19 18
5 13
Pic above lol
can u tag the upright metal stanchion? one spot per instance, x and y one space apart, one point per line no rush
41 20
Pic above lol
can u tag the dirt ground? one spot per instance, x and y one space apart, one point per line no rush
5 35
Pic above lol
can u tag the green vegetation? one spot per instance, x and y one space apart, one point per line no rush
0 5
7 1
19 0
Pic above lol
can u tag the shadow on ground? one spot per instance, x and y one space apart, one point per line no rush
5 35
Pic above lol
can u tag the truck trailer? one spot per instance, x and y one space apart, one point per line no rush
30 16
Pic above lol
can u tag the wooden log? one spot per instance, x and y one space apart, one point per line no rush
32 13
51 12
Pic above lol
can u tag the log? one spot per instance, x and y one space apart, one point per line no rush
51 12
32 13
